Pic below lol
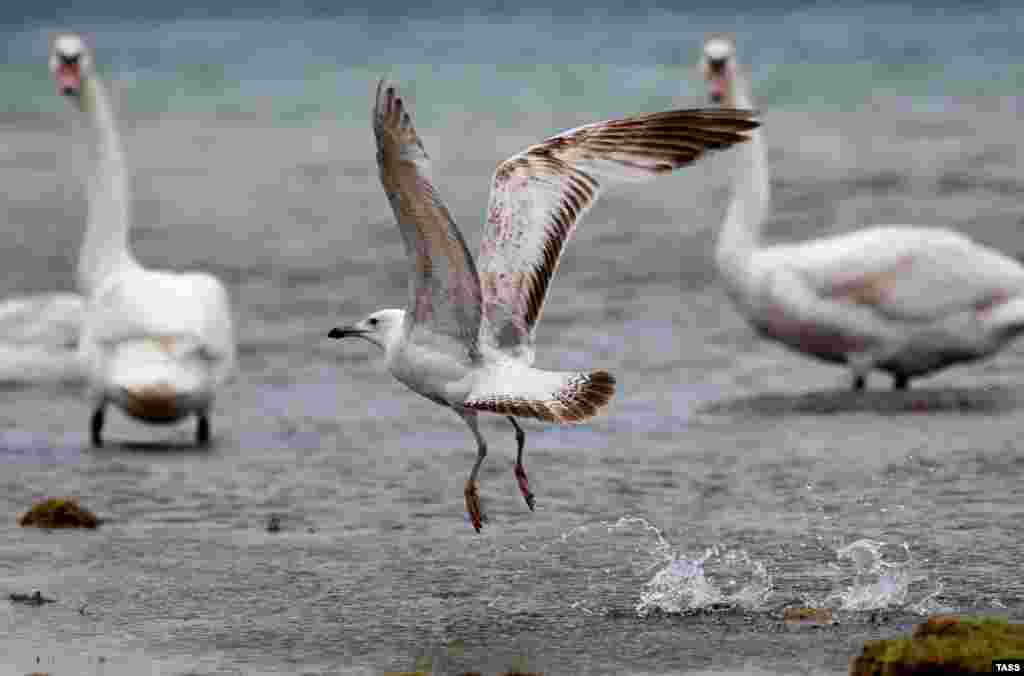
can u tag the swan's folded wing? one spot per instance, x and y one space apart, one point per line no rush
794 310
924 274
185 313
538 197
444 290
218 338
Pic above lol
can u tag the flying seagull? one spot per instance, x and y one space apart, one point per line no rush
466 340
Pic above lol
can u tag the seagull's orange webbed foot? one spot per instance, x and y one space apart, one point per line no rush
524 485
476 515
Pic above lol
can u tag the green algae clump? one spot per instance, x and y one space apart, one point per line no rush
58 513
945 644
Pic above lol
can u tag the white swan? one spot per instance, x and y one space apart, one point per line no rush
155 344
466 340
902 299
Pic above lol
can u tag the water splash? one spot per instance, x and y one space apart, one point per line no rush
618 558
606 562
879 576
930 604
720 578
876 583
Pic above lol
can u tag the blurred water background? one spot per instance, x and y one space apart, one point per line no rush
302 61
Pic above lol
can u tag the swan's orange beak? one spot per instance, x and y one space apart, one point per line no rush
69 79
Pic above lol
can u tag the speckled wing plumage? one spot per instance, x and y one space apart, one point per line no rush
444 290
539 195
552 396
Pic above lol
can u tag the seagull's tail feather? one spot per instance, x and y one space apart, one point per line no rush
551 396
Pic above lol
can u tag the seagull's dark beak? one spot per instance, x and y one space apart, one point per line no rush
339 332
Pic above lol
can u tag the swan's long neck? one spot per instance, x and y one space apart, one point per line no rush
741 231
105 246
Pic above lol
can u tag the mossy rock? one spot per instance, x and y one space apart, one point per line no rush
945 644
58 513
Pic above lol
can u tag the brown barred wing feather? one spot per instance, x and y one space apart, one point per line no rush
539 196
444 289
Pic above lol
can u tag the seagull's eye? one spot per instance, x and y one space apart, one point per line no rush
373 321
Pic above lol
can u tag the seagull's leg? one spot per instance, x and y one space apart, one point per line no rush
520 471
472 490
96 426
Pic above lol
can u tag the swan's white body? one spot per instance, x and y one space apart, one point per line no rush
156 344
903 299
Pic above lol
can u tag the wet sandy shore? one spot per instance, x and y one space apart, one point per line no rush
716 437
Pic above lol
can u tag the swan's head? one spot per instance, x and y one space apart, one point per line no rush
383 328
70 65
718 66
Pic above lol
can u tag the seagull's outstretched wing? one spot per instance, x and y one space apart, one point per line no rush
539 195
444 290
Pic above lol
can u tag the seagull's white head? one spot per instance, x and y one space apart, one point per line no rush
383 328
70 65
718 67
